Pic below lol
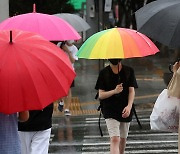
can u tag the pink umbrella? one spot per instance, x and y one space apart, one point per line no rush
49 26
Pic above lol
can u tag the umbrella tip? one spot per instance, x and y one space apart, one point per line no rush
10 39
34 8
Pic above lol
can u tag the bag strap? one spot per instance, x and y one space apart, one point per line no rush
99 109
99 121
134 110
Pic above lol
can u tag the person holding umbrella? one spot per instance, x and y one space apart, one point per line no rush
71 50
35 133
29 81
115 84
9 140
174 89
174 84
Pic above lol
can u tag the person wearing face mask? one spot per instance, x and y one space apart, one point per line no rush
71 50
116 85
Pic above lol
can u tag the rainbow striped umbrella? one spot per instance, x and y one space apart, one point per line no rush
117 43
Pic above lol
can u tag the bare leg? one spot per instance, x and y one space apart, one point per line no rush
122 145
68 100
114 145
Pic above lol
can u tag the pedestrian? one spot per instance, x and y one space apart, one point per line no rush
174 84
174 89
65 132
35 133
116 85
71 50
9 138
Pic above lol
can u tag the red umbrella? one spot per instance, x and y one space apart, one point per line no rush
33 72
49 26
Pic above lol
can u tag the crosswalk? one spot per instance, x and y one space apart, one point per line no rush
80 135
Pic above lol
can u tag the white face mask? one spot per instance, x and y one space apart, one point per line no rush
70 41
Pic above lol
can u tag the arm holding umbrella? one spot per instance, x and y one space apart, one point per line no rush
116 67
71 58
105 94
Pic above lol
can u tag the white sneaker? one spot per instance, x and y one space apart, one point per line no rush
67 112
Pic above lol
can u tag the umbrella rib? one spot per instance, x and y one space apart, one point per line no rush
57 27
139 29
144 40
165 11
35 87
174 32
22 60
51 54
133 45
34 72
50 27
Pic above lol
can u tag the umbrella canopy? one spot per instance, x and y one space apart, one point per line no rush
74 20
33 72
117 43
160 20
49 26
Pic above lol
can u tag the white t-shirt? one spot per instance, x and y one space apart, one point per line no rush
73 49
59 44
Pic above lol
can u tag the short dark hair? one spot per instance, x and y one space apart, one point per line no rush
62 44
